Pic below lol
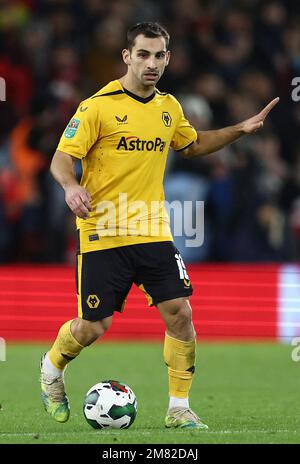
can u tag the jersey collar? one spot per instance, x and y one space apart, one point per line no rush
138 98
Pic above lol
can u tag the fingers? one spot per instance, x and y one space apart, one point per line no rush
268 108
79 201
86 199
78 207
88 195
259 125
257 121
256 127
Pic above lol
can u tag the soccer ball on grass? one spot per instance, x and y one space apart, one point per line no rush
110 404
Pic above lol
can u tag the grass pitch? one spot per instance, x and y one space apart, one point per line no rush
246 393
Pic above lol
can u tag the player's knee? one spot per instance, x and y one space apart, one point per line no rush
86 332
104 325
184 315
180 324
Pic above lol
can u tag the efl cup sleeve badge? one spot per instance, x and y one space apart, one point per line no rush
72 128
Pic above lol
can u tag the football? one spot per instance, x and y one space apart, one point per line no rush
110 404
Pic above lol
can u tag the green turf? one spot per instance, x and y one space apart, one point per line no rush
246 393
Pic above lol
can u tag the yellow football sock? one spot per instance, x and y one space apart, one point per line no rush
65 347
180 357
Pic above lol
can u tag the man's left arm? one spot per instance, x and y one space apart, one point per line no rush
213 140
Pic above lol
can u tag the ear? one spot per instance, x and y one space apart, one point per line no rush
126 56
168 56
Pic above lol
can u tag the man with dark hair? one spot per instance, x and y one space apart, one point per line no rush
122 135
149 30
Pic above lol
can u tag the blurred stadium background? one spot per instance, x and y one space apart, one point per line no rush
229 58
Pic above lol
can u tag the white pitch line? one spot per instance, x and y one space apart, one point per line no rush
201 433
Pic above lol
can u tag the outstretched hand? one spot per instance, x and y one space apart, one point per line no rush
256 122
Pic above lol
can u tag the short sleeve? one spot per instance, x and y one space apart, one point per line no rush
82 131
184 134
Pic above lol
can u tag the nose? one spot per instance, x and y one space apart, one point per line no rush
151 64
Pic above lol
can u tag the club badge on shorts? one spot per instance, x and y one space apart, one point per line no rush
72 128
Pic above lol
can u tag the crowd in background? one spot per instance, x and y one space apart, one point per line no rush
228 59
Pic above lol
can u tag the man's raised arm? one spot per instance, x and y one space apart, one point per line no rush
213 140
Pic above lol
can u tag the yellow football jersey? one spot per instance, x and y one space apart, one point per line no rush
123 141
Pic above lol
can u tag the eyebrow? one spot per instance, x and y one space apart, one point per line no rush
147 51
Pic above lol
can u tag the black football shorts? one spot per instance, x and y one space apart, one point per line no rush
104 277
